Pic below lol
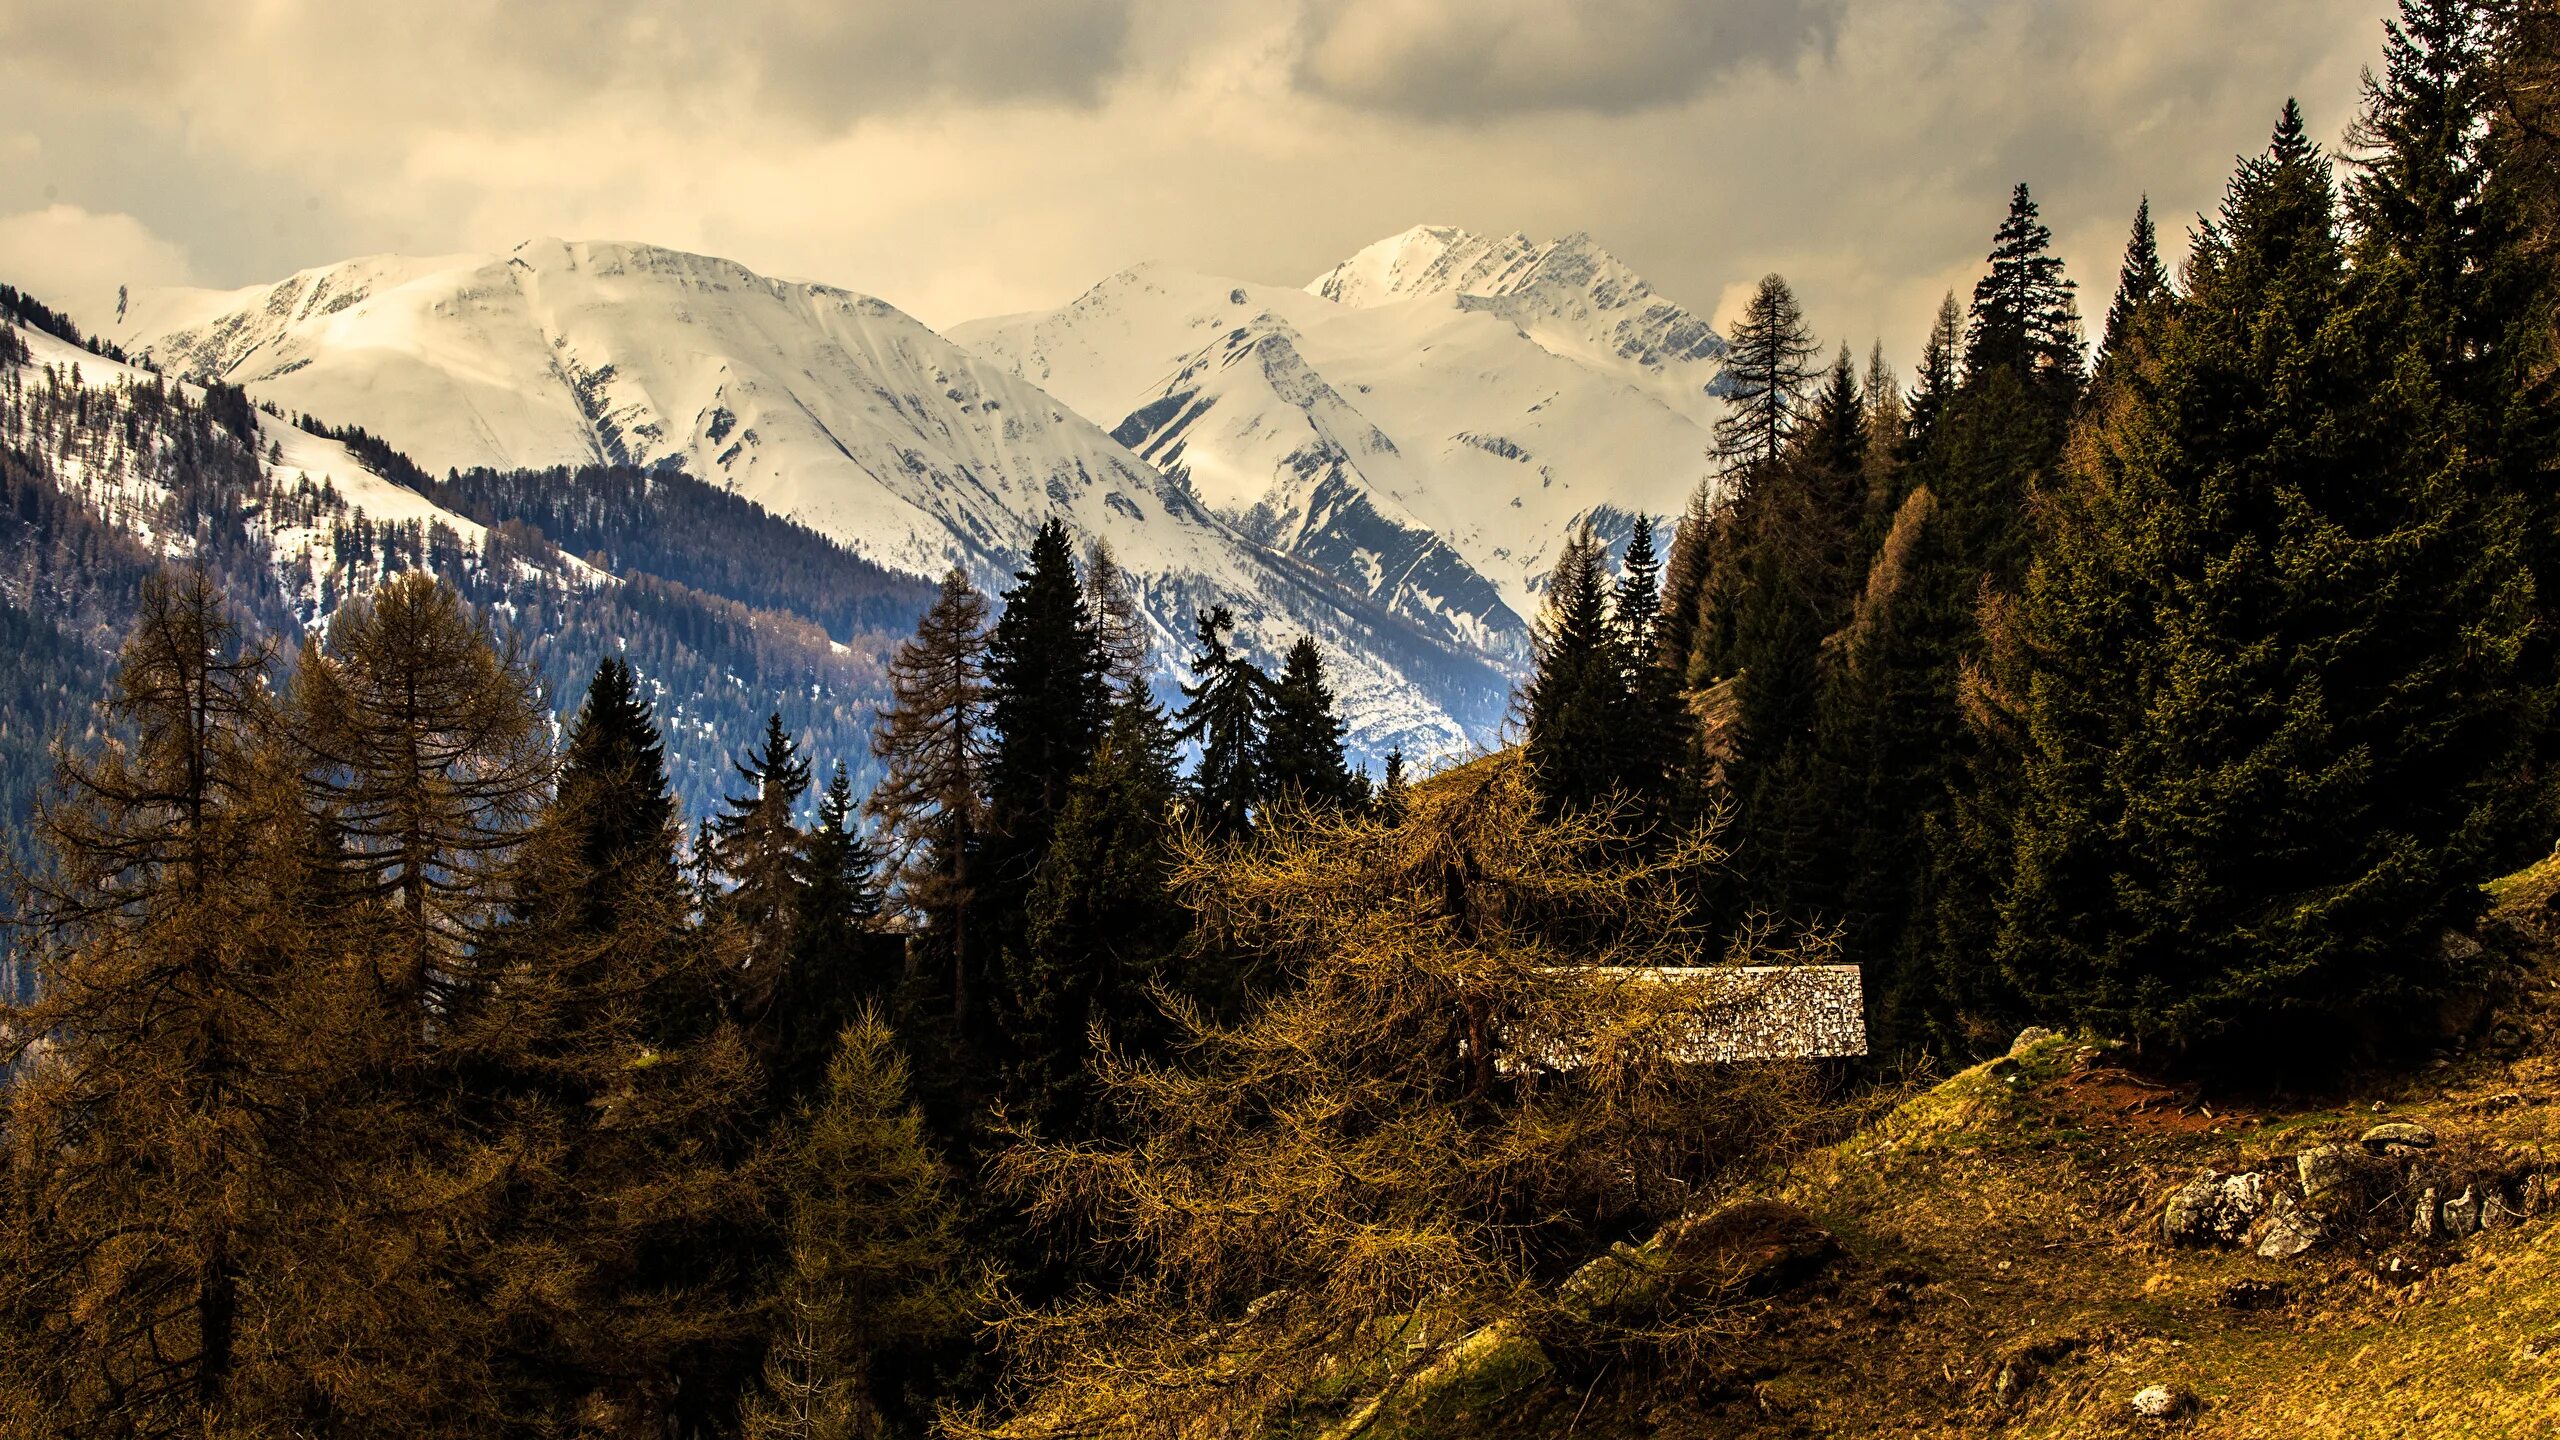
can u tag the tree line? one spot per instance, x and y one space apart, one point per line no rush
2187 693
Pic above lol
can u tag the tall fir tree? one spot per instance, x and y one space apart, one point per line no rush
1224 711
2440 198
1104 926
2024 318
1576 697
763 854
2140 284
1302 740
1048 702
838 961
1649 746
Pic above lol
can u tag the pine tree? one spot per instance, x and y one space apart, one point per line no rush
588 1054
1941 371
764 856
2271 730
876 1270
1765 360
1885 727
1103 925
2024 318
1395 797
1302 738
2140 284
1577 694
1048 702
837 965
1224 711
1648 746
931 802
2440 197
613 780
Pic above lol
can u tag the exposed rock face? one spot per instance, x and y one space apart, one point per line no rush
2395 1134
2217 1209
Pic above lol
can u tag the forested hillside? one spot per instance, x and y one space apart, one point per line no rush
2163 728
727 612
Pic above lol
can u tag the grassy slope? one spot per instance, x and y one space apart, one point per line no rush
2007 1220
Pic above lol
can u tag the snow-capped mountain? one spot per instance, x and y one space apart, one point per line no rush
822 404
1428 420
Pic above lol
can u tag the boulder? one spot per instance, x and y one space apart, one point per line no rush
2031 1037
2428 1224
2162 1402
2326 1168
2397 1133
2287 1230
2217 1209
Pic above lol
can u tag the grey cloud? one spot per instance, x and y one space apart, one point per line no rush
823 63
1464 59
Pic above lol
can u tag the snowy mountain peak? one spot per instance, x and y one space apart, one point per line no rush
1570 295
1427 260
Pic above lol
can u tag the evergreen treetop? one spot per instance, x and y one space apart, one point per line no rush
2024 318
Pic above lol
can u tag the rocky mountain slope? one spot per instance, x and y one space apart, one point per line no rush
1429 419
821 404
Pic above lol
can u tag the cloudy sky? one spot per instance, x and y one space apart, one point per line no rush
968 157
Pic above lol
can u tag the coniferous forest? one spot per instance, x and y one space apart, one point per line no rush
417 1031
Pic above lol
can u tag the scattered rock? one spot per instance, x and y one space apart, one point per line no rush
2462 1214
2325 1168
2161 1402
2031 1037
2384 1136
2496 1213
2287 1231
2217 1209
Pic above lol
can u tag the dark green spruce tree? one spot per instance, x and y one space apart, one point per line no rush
1302 742
1224 710
762 855
2266 677
1577 696
839 963
2140 285
1104 925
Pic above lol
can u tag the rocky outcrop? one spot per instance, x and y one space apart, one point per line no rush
2392 1185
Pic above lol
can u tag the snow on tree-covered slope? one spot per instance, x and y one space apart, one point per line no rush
822 404
300 528
1429 420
